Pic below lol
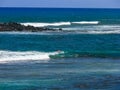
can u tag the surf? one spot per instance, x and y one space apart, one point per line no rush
46 24
11 56
86 22
43 24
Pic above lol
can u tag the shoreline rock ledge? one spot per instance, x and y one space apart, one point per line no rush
13 26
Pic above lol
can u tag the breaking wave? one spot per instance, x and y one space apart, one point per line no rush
47 24
13 56
86 22
58 23
10 56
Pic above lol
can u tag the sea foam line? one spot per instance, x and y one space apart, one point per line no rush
86 22
10 56
37 24
46 24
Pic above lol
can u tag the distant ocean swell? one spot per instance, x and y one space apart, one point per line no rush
10 56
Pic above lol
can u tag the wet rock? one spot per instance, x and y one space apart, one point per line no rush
13 26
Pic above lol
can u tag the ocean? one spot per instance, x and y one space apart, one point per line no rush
85 55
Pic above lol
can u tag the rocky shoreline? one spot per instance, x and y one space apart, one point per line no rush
13 26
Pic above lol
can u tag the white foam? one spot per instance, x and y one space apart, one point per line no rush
37 24
86 22
46 24
95 29
103 32
10 56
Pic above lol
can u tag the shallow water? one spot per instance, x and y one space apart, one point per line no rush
61 74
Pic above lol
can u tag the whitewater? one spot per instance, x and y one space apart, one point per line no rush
11 56
37 24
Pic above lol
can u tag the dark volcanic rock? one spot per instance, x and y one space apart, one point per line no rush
12 26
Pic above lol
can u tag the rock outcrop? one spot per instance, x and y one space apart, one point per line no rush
12 26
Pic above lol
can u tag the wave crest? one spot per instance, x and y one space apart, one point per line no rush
47 24
58 23
86 22
9 56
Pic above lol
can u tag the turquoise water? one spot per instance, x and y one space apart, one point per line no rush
73 45
84 56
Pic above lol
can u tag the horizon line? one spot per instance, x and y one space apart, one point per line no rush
65 7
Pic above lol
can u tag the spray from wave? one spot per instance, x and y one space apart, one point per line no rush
10 56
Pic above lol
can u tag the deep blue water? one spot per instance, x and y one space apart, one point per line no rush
84 56
106 16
